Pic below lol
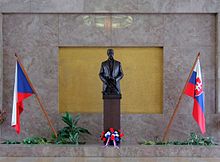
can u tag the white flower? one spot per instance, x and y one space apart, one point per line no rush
107 134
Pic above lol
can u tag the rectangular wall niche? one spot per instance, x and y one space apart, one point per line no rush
80 87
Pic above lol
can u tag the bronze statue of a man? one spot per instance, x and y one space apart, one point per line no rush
110 74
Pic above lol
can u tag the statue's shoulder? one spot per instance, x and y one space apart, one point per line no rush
104 62
117 62
107 62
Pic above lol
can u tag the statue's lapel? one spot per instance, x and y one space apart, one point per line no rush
113 68
107 67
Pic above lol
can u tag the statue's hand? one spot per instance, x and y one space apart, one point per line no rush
108 78
112 81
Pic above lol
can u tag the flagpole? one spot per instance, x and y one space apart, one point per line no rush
37 96
177 106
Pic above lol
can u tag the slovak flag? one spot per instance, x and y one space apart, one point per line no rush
22 90
194 88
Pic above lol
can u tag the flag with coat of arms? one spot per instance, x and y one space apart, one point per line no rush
194 89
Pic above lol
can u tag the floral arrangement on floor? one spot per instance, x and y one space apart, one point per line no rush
111 137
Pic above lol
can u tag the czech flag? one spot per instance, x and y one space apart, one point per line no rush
194 88
22 90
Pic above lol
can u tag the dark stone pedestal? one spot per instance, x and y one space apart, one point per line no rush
111 111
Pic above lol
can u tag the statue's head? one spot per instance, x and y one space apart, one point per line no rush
110 53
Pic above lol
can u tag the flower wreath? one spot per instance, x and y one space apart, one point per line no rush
111 137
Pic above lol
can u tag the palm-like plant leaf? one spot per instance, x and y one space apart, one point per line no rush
83 130
68 119
76 119
71 133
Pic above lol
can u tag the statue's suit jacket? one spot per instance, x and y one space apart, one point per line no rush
117 73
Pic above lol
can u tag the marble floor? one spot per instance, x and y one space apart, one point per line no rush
99 159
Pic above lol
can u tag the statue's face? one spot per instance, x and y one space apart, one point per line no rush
110 54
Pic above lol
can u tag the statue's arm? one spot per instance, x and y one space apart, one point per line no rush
101 74
120 74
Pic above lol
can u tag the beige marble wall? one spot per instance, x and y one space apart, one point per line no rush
119 6
218 63
74 32
15 6
1 62
36 37
1 65
54 6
